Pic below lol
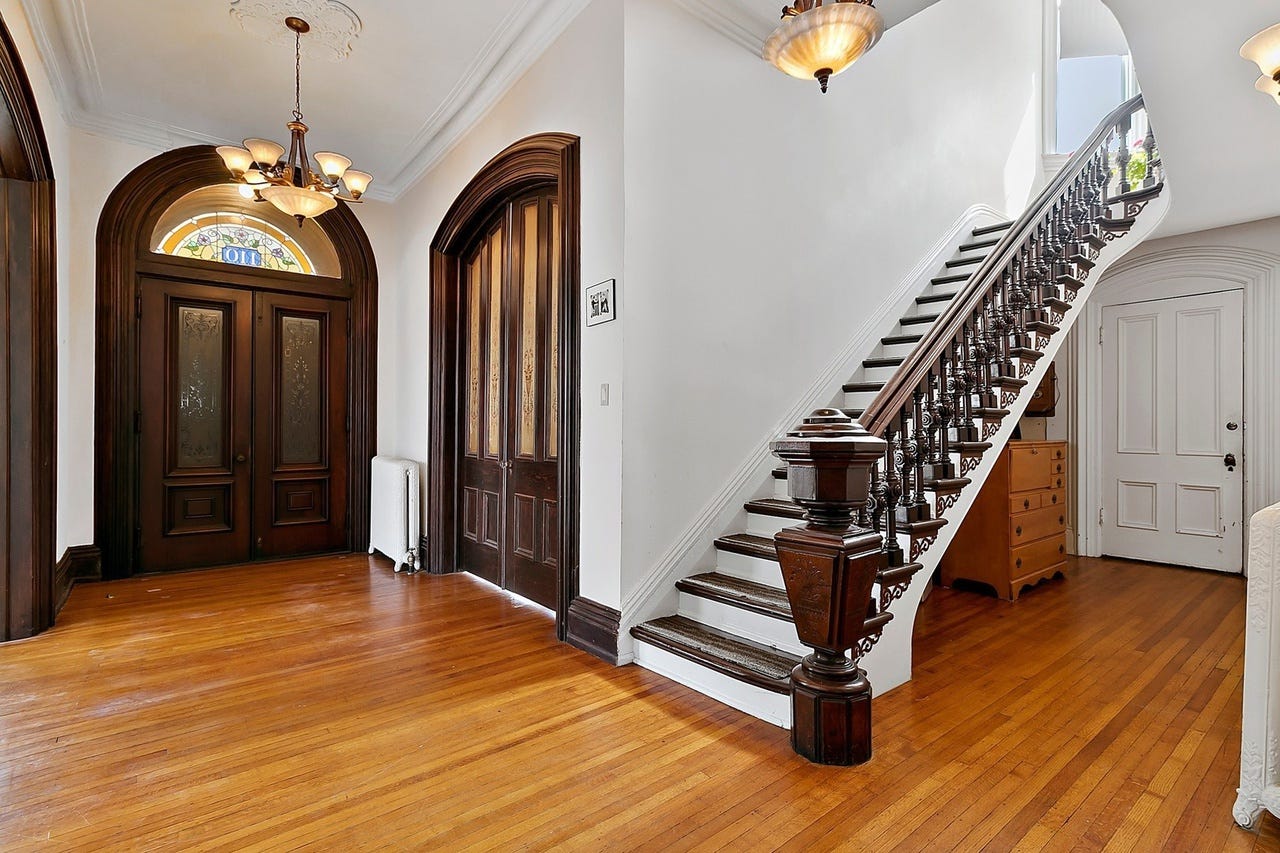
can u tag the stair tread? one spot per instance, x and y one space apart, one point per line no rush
757 597
991 229
951 279
780 473
749 545
893 340
965 262
776 507
863 387
854 413
917 321
883 362
934 297
980 244
952 484
736 657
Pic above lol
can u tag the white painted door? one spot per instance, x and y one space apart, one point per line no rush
1173 392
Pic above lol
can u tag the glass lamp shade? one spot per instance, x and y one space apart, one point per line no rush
299 202
357 182
1264 50
264 151
825 40
333 165
255 178
238 160
1267 86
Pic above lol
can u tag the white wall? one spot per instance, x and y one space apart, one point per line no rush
763 220
576 87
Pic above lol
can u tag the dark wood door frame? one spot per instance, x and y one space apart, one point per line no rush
28 358
550 158
124 252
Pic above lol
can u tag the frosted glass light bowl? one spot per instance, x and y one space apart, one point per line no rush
825 40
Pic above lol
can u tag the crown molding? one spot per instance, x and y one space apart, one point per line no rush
734 20
60 30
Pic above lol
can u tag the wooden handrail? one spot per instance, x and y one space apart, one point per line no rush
899 391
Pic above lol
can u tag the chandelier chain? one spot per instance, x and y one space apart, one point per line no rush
297 76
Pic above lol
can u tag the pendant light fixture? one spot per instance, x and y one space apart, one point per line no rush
818 40
292 185
1264 51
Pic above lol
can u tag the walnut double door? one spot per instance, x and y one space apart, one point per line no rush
509 406
242 427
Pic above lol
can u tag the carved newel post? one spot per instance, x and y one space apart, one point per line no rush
829 565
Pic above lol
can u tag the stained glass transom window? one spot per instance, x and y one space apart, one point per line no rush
236 238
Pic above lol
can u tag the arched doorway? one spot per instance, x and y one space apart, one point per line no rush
28 358
236 374
503 476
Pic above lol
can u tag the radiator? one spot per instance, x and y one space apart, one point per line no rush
394 517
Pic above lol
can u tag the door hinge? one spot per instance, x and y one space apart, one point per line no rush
1100 335
348 325
348 422
137 422
137 304
137 541
1102 515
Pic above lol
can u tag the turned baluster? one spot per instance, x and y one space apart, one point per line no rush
1149 146
890 493
921 441
945 413
966 429
830 566
1126 125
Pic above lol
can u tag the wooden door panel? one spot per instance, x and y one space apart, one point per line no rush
194 425
300 465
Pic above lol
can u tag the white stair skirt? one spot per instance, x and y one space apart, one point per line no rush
1260 725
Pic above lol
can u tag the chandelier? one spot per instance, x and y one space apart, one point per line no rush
1264 51
292 185
819 39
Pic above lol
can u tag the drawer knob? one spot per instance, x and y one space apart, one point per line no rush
1055 498
1062 519
1062 549
1019 530
1059 482
1026 504
1019 563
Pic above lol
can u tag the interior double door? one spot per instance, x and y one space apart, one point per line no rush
242 428
508 480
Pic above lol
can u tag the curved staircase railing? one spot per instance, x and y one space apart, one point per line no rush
929 425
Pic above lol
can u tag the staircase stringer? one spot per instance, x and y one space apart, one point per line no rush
889 663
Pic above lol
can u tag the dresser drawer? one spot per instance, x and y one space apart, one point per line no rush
1058 498
1027 502
1030 526
1037 556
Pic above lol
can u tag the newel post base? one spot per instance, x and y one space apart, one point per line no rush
830 566
830 716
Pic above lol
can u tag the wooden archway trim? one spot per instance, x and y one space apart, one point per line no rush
123 241
549 158
28 372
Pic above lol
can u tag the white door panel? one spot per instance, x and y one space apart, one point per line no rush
1173 379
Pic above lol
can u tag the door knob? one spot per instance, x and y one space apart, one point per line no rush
1230 461
240 457
1232 426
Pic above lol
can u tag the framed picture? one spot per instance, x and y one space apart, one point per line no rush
602 306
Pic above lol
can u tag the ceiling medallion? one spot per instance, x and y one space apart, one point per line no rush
333 25
291 184
818 40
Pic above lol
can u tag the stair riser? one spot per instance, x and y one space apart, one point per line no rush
950 289
749 568
858 399
894 350
875 374
780 489
771 707
743 623
769 525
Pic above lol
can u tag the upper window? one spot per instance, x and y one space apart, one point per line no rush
218 225
236 238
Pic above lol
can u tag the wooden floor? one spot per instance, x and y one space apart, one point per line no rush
332 705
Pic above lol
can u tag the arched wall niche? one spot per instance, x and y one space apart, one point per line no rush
126 228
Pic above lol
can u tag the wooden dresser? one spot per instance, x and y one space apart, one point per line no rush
1016 532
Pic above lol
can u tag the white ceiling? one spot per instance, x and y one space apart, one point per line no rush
1220 139
1087 28
169 73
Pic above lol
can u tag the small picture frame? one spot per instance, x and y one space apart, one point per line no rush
602 304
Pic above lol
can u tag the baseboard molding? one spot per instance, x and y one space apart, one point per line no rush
698 537
594 628
78 563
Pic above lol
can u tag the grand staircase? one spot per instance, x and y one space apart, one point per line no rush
945 390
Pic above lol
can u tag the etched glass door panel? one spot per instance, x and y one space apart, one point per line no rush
1173 403
194 436
300 478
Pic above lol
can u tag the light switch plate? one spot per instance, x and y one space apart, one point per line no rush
604 394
